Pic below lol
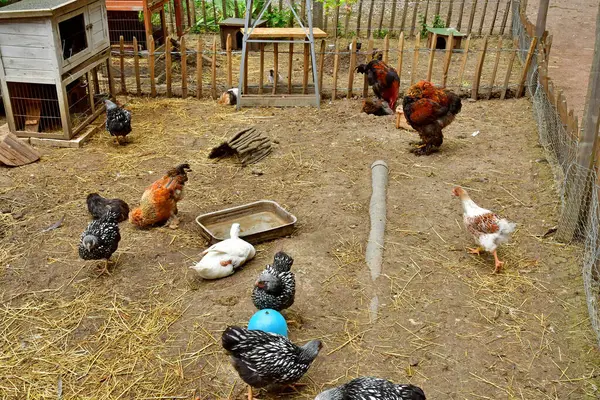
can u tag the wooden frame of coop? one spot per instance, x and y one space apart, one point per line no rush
54 66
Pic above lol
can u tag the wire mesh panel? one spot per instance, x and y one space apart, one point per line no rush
130 24
35 107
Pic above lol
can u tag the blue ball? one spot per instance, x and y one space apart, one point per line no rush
268 320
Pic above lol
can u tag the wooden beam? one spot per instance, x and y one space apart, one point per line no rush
485 4
213 89
229 61
122 65
393 16
400 56
199 67
365 81
431 56
505 17
306 62
414 18
184 85
290 67
151 65
449 15
246 61
168 65
496 62
479 68
336 61
447 59
413 67
526 67
321 65
261 69
461 9
540 25
464 61
352 67
136 64
495 16
370 18
472 17
404 12
386 48
508 72
275 66
358 17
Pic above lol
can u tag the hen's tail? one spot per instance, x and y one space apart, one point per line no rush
180 170
136 217
413 392
282 262
232 336
506 226
455 103
223 150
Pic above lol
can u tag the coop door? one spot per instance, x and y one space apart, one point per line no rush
99 27
73 35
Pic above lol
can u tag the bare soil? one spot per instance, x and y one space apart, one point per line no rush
152 330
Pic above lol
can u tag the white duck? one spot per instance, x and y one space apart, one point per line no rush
223 258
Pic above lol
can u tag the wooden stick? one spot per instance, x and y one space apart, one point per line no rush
369 31
449 48
261 77
193 10
400 56
336 60
414 18
381 16
275 66
184 87
485 4
336 20
122 64
449 16
290 65
526 67
306 62
369 54
505 17
413 67
204 15
386 48
479 68
508 72
199 67
393 17
168 65
352 66
464 60
403 20
431 56
347 20
472 16
321 65
229 61
495 16
223 8
213 89
426 10
245 87
136 64
493 78
438 5
151 66
461 9
358 17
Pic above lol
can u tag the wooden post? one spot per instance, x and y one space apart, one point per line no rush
431 56
426 10
464 61
291 21
449 16
306 61
303 11
369 31
193 11
358 17
168 65
352 66
413 67
369 54
321 65
393 16
449 48
88 76
347 20
540 25
275 66
122 64
336 20
472 16
400 56
229 61
496 62
204 13
290 67
136 64
495 16
381 16
261 77
213 89
438 4
414 18
184 87
404 12
96 82
386 48
478 69
199 67
336 60
461 9
224 8
151 66
485 4
215 11
245 83
505 17
526 67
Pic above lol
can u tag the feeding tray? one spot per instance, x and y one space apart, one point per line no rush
259 221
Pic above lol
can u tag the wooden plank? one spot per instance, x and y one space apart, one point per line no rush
386 49
193 10
303 11
495 16
306 61
14 152
321 66
496 62
478 69
204 13
369 55
463 64
224 8
246 60
347 21
448 58
413 23
415 63
472 16
88 76
400 56
381 15
336 21
136 65
425 16
275 66
261 71
229 61
358 18
283 33
168 65
485 4
404 12
199 67
290 67
431 57
33 108
111 80
370 18
291 21
393 16
352 67
505 17
526 67
122 65
449 15
184 84
213 88
438 5
461 9
336 61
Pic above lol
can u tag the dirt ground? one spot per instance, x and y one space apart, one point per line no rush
152 330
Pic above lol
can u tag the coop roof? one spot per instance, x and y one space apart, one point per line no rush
445 31
35 8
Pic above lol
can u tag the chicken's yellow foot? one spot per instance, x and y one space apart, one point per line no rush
249 392
476 250
498 263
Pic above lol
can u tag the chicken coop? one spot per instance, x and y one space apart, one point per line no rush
54 66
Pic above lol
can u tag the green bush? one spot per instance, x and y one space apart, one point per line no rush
437 22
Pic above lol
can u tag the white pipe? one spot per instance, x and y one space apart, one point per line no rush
377 211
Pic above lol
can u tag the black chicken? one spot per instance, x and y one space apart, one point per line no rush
98 206
118 120
100 239
276 285
368 388
264 359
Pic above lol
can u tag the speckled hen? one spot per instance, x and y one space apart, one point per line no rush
100 239
265 359
275 288
369 388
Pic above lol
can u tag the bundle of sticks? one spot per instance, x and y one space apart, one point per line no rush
249 144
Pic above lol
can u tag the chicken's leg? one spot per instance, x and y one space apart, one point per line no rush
498 262
105 269
476 250
249 392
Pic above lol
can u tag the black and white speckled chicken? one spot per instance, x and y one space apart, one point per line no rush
266 359
369 388
275 287
100 239
98 206
118 120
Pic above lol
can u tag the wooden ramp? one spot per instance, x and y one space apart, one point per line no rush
13 151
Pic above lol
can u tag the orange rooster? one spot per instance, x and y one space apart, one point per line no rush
159 201
429 109
386 85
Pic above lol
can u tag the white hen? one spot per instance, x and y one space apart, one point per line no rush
223 258
487 228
